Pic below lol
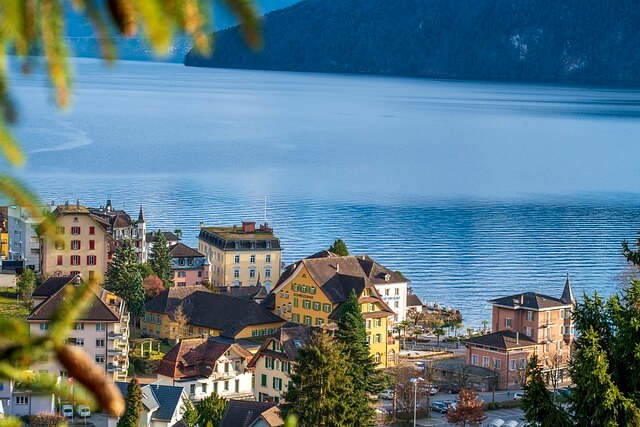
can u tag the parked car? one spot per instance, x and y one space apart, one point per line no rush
511 423
429 389
67 411
386 394
498 422
420 366
439 407
454 390
83 411
518 395
563 391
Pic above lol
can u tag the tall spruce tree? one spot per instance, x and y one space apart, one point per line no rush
133 405
210 410
537 404
160 259
339 248
321 392
124 279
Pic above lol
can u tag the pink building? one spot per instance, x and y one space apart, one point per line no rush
189 266
526 324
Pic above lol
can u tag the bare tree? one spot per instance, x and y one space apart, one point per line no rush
406 391
180 324
555 365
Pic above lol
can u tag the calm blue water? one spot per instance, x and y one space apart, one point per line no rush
472 190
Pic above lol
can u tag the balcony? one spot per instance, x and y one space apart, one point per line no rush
111 368
115 336
225 375
116 352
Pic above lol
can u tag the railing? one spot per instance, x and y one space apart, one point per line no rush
225 375
116 368
115 336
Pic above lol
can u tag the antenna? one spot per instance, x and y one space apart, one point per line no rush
265 210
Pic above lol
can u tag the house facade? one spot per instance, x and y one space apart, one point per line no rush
203 367
274 362
123 227
77 242
188 266
526 324
23 240
102 331
312 291
242 256
162 405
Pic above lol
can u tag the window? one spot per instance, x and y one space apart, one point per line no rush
44 326
529 331
497 364
376 358
277 383
512 365
75 245
377 338
79 326
386 292
237 386
192 389
64 374
267 258
80 342
278 311
306 303
22 400
204 388
267 272
263 381
523 363
59 230
317 306
92 230
307 320
368 324
100 343
91 260
372 307
319 321
485 361
59 244
252 259
236 273
101 327
226 386
397 291
507 322
396 304
377 322
368 339
327 308
92 245
252 273
236 259
295 302
529 315
59 260
474 359
75 230
99 358
75 259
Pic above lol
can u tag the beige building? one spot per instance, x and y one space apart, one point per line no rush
242 256
102 331
78 243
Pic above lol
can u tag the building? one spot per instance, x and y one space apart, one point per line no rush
241 256
244 413
25 401
274 362
203 367
122 227
258 293
207 315
312 290
162 405
413 303
102 331
526 324
24 244
189 267
171 238
76 242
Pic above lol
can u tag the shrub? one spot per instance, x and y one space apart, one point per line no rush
44 419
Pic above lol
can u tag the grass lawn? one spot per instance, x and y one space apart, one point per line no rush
10 306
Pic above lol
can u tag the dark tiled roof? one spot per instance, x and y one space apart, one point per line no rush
502 340
51 285
195 358
97 309
292 336
171 237
413 300
243 413
180 250
252 292
530 300
322 254
214 311
162 399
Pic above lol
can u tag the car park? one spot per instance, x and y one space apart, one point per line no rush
429 389
439 407
498 422
67 411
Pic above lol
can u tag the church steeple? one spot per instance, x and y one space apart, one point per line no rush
141 215
567 293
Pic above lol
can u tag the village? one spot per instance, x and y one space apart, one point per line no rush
227 318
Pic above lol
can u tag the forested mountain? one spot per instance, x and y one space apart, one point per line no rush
536 40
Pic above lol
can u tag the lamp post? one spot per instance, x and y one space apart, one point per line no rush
415 382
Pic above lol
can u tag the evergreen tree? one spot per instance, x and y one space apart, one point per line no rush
210 410
133 406
537 404
124 279
159 258
364 376
26 283
190 416
321 392
339 248
595 399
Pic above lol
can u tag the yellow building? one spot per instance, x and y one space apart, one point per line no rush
312 291
241 256
206 314
79 243
4 244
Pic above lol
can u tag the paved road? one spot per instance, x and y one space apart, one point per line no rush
505 414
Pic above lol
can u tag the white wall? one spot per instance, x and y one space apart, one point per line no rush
395 295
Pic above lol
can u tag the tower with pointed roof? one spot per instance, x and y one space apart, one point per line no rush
567 293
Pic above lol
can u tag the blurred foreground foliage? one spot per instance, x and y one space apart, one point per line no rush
36 28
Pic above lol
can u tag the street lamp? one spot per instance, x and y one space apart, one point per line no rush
415 382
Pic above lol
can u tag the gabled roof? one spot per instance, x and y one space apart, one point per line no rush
413 300
51 285
292 336
97 308
214 311
196 358
244 413
159 399
567 293
530 300
67 209
503 340
252 292
180 250
171 237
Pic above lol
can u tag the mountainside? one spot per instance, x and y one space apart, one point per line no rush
534 40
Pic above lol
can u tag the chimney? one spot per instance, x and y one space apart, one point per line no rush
78 203
77 279
521 299
248 227
53 202
337 268
517 337
201 224
66 204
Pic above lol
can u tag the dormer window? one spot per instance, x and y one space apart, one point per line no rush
387 277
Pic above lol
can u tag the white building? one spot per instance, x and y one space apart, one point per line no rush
102 331
17 402
206 366
24 244
162 405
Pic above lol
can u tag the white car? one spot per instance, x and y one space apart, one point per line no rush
386 394
83 411
67 411
518 395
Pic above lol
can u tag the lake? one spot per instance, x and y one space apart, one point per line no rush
473 190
